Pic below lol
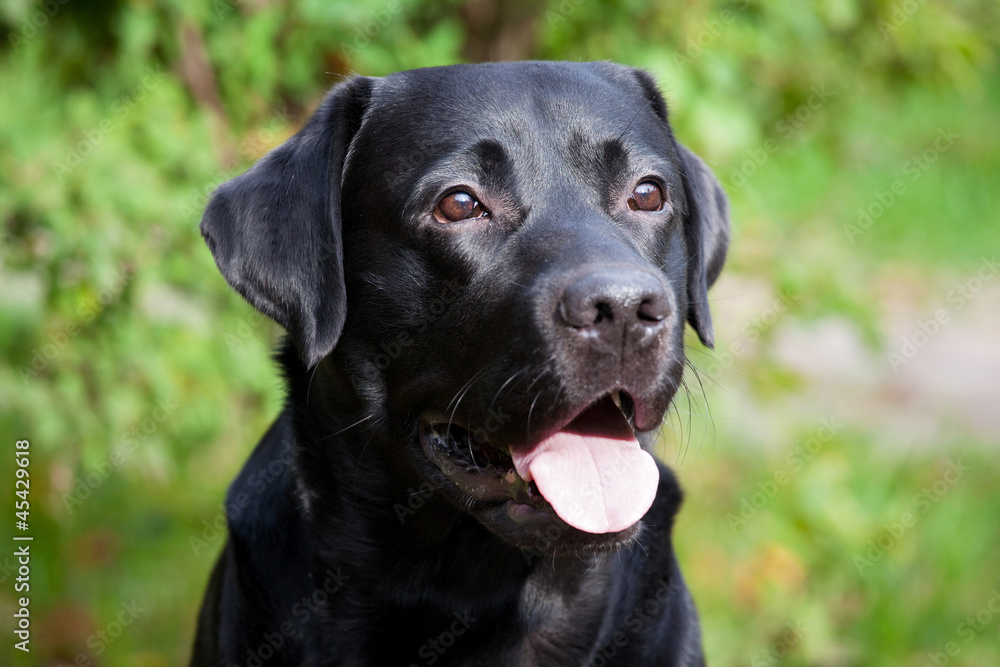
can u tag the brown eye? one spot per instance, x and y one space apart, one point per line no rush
458 206
646 196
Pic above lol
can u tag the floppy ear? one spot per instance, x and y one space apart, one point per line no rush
706 225
706 231
275 231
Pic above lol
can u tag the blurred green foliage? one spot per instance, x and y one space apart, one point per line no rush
857 141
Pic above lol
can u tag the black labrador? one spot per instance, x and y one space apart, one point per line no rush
485 273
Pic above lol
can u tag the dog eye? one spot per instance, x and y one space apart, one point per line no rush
458 206
646 196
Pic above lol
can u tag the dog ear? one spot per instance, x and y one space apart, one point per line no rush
706 231
275 231
706 225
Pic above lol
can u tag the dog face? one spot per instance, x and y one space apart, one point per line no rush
500 260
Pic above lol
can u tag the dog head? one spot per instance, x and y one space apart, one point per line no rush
501 259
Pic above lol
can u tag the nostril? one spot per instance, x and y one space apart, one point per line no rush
608 302
604 312
653 310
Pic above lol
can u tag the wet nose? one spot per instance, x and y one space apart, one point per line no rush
620 307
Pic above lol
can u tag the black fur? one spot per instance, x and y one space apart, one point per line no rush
348 545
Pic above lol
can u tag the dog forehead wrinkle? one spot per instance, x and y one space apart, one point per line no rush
484 164
495 168
527 110
458 99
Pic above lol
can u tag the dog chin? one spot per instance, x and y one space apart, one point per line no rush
541 532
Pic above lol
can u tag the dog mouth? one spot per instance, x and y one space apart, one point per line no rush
589 472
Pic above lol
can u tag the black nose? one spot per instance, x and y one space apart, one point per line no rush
618 307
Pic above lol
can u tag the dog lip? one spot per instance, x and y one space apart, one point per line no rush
489 482
622 399
481 483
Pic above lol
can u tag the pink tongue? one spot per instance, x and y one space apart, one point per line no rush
593 472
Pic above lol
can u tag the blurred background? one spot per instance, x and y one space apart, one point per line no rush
840 447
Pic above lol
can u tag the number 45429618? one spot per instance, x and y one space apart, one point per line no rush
22 485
